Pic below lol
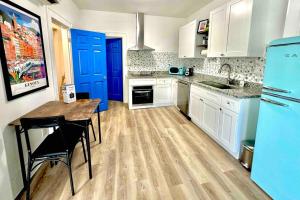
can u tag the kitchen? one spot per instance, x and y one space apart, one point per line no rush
194 100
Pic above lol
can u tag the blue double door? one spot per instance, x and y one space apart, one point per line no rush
89 63
97 64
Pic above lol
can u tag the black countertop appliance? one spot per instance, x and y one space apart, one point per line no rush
189 71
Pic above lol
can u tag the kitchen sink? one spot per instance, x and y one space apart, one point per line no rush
217 85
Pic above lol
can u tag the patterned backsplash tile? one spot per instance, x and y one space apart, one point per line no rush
247 69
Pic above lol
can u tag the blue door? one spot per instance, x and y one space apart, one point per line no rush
89 62
114 69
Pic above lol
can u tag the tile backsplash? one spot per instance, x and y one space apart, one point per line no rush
247 69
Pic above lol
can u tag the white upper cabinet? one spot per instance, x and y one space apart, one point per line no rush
217 29
188 39
292 23
239 22
243 28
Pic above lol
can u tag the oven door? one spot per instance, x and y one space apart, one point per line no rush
142 95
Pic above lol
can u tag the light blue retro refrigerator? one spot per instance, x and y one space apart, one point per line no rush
276 162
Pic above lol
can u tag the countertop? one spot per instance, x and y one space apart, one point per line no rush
250 90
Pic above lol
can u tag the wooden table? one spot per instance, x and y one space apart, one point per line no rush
79 111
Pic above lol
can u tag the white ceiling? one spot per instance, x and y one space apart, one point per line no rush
171 8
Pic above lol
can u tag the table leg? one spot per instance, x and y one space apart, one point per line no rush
87 138
99 126
21 156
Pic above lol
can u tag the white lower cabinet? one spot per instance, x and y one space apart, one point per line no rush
163 95
226 120
174 91
164 89
211 117
196 109
228 129
163 92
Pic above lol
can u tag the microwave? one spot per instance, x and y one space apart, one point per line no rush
177 71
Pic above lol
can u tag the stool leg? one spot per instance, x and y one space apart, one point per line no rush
70 174
83 149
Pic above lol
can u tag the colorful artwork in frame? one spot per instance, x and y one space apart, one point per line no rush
21 51
203 26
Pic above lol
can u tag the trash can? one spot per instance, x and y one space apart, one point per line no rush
247 154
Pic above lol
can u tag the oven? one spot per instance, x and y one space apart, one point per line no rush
142 95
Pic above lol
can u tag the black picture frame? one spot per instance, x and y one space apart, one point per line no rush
200 28
4 60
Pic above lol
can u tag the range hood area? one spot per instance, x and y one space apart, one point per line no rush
140 45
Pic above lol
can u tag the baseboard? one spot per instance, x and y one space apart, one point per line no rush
35 180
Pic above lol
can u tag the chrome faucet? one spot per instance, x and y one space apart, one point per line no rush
229 71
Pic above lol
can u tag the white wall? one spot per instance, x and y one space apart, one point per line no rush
10 174
161 33
203 13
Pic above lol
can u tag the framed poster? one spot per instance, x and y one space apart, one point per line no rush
21 51
203 26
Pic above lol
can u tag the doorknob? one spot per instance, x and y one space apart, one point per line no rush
104 77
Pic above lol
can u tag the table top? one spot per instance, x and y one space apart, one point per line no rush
80 110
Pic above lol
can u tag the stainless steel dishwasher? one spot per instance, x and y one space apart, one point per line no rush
183 96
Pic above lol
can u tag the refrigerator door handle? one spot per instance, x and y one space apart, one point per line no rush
276 89
273 102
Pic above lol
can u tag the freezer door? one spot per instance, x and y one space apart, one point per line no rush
276 162
282 70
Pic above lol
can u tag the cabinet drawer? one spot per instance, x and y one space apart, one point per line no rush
163 81
231 104
208 95
211 96
145 82
195 90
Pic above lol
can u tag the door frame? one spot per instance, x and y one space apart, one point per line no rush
123 37
53 16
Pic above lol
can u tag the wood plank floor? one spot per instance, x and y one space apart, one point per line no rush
151 154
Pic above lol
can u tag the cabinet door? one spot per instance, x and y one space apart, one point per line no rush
239 24
211 115
217 32
292 23
187 40
196 109
163 94
174 92
182 45
228 129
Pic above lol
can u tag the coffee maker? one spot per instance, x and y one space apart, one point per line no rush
189 71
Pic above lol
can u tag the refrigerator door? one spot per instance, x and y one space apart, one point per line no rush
276 162
283 68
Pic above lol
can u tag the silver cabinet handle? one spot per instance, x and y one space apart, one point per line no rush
276 89
274 102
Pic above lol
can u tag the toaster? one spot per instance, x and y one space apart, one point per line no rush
177 71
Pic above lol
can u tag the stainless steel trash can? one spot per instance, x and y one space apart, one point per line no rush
247 154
